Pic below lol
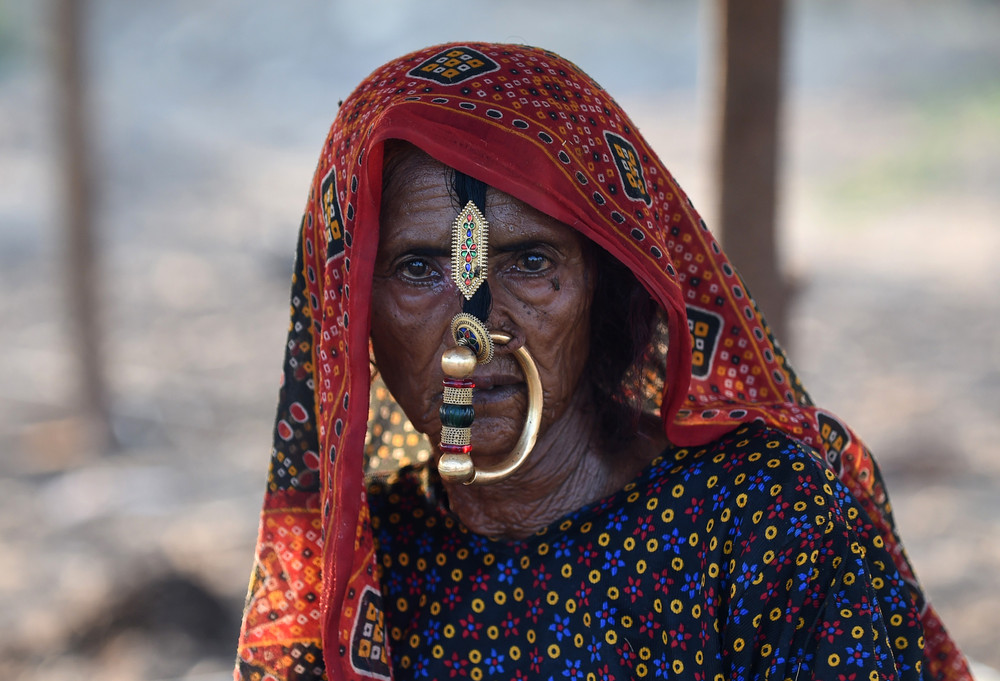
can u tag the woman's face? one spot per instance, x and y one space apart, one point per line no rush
541 278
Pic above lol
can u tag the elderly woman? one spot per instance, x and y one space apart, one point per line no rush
628 479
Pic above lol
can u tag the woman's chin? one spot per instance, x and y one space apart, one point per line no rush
493 438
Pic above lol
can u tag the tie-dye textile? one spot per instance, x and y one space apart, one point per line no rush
530 124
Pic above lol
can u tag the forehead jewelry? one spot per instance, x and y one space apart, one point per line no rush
474 344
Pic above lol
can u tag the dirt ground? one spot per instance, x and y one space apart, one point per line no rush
132 564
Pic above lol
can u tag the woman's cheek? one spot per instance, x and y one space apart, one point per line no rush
406 341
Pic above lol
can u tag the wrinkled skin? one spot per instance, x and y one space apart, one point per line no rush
541 278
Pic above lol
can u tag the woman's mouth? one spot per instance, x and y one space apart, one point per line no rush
496 388
497 393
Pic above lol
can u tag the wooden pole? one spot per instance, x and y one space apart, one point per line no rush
748 147
79 257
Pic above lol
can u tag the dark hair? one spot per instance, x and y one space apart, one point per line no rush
623 321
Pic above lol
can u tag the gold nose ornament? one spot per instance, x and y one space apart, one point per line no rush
475 345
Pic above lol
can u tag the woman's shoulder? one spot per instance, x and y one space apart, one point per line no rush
751 468
747 449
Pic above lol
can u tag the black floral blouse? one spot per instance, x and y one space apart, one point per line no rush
745 559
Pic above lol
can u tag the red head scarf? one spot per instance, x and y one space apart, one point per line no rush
530 124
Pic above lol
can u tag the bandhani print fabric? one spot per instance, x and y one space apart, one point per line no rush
528 123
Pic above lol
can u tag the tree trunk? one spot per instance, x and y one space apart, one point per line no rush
79 257
748 146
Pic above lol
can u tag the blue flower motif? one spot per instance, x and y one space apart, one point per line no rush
420 666
799 525
394 585
508 570
563 549
433 631
747 572
674 540
617 521
721 498
594 648
605 615
560 627
424 544
690 585
758 480
857 655
613 561
572 670
494 661
479 545
737 613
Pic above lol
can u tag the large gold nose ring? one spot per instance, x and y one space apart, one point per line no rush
457 466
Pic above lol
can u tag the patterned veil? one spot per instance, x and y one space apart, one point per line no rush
531 124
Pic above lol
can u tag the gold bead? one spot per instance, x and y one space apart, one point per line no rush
458 362
456 468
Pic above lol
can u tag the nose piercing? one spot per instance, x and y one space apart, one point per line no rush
474 344
455 464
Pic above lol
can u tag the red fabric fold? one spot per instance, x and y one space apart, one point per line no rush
532 125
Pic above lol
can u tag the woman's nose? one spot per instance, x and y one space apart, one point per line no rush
503 313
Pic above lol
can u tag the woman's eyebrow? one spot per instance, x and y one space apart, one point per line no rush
422 250
526 245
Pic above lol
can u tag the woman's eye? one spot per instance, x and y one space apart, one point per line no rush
532 262
416 268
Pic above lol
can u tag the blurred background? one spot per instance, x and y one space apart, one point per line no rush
203 122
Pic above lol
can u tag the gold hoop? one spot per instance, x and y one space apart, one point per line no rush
459 468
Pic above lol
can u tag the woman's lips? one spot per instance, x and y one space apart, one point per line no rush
490 381
497 393
493 388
